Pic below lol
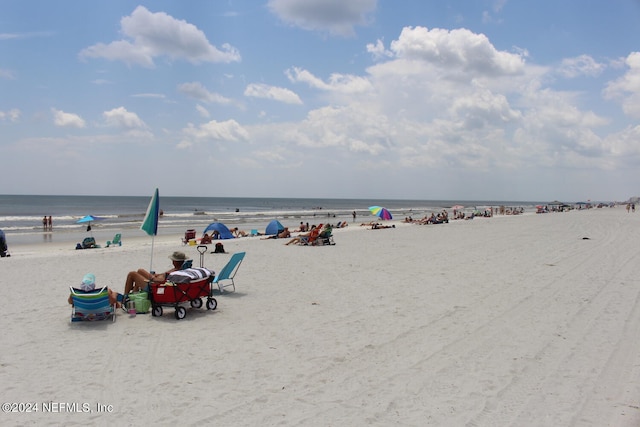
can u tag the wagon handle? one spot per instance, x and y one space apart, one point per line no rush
202 249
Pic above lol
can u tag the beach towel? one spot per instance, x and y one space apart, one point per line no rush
189 275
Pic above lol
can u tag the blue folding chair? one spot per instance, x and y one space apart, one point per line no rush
229 271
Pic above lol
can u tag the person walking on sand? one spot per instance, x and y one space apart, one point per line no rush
354 216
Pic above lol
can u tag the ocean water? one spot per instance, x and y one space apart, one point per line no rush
21 215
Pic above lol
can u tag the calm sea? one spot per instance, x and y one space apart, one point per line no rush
21 215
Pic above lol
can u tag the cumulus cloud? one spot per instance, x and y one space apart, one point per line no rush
342 83
62 119
458 50
337 17
121 118
197 91
408 111
150 35
627 88
582 65
213 131
378 51
260 90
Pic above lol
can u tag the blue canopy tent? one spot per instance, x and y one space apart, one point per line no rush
223 231
274 227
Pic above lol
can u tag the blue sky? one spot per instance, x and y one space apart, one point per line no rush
456 100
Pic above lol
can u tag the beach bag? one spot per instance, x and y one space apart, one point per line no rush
219 249
141 300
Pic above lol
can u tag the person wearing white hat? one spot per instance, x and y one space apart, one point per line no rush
88 284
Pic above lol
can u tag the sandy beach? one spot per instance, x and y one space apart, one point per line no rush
528 320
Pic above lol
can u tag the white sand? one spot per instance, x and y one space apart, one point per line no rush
509 321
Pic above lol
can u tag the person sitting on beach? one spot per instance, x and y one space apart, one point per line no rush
283 234
89 285
206 239
238 233
301 229
312 235
300 237
138 280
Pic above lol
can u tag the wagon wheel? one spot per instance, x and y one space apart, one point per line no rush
196 303
181 312
212 304
157 311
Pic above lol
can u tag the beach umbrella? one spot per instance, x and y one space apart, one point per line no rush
380 212
223 230
88 220
274 227
150 222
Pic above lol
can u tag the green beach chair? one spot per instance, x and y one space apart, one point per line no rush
117 240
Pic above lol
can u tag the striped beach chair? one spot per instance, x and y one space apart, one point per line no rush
93 305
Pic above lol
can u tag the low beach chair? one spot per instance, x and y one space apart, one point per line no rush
93 305
325 237
311 238
228 272
117 240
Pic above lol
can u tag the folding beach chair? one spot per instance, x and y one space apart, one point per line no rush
117 240
93 305
311 238
229 271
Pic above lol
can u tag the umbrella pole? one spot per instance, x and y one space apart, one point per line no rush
153 238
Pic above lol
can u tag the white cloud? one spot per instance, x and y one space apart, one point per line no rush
260 90
341 83
582 65
214 131
627 88
378 50
203 111
197 91
12 115
62 119
121 118
408 112
338 17
458 50
151 35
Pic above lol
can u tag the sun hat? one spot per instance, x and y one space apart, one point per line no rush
178 256
88 282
